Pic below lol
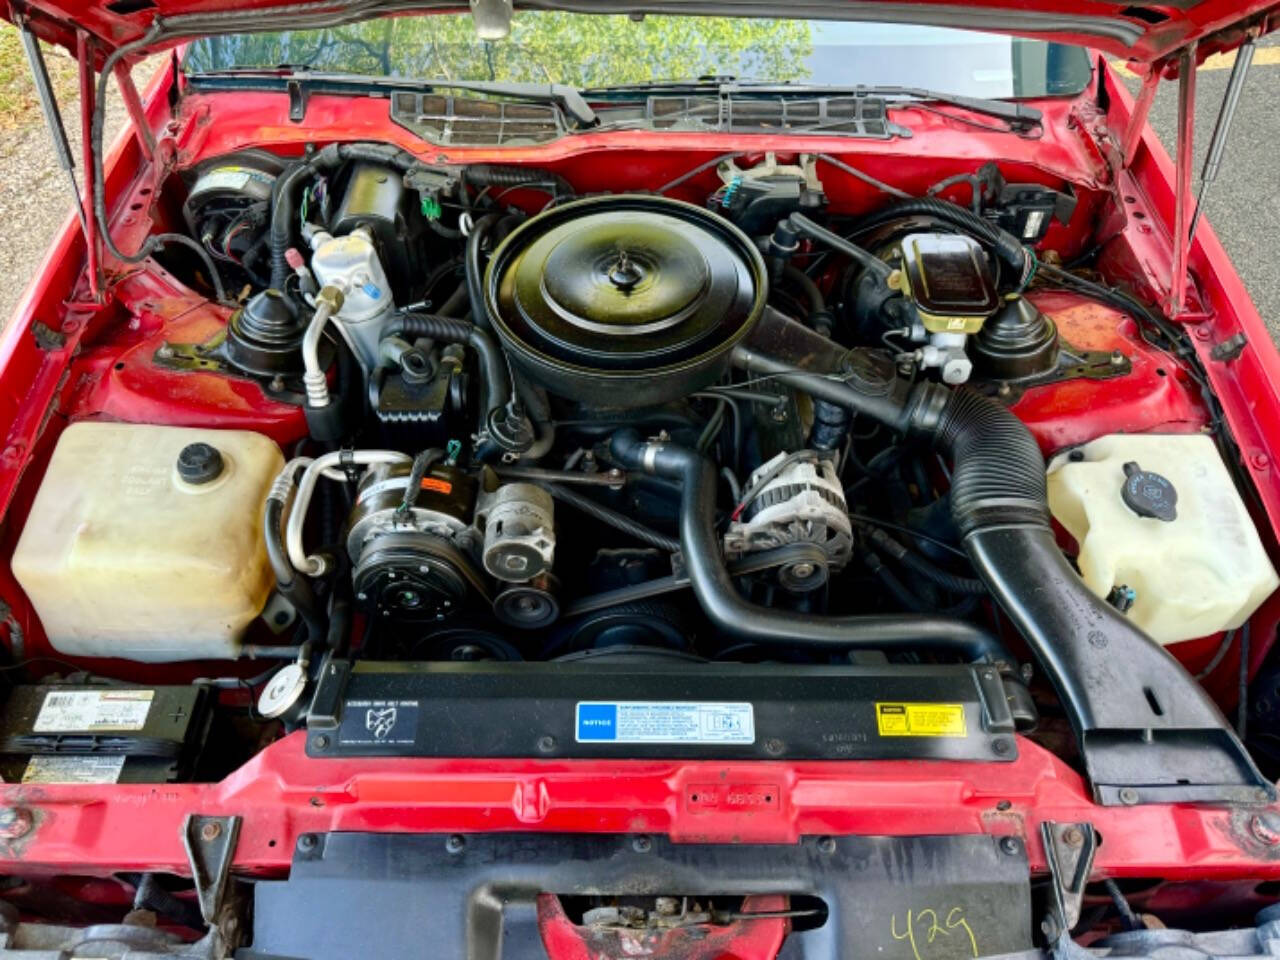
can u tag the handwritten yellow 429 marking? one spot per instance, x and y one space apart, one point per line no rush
923 927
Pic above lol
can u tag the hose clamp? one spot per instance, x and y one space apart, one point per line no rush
649 459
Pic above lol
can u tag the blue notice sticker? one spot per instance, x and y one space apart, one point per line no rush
645 721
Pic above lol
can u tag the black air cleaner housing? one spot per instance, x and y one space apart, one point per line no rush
624 301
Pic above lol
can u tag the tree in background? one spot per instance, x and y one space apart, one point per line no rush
544 47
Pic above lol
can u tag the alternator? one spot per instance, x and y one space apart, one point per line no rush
794 498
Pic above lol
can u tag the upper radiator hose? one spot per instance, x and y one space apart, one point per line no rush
1145 728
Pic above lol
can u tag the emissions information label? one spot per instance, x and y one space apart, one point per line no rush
642 721
78 711
920 719
64 769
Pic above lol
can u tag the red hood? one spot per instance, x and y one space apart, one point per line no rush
1143 30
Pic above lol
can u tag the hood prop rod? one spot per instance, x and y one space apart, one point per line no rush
1222 128
53 117
1176 303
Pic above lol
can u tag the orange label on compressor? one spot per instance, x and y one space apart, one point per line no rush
436 485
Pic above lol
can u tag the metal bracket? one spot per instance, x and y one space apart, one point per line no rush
193 356
210 843
1073 364
1069 849
297 101
1229 349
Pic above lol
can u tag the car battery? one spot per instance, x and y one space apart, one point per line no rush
82 733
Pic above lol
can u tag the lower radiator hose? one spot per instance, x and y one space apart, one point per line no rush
727 609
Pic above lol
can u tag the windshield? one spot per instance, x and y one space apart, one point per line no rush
591 50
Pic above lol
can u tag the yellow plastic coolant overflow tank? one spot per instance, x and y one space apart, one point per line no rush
1159 522
145 542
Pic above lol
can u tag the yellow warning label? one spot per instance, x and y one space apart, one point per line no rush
920 719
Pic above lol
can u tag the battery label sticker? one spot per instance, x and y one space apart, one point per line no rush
100 769
379 722
920 719
78 711
636 721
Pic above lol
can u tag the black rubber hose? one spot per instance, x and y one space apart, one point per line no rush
612 517
787 629
1004 244
923 567
817 302
149 895
283 208
909 598
292 587
970 586
498 175
537 407
889 580
495 380
803 225
454 302
473 262
888 408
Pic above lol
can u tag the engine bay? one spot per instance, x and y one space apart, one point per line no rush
431 460
484 401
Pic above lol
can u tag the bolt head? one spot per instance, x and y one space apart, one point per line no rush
802 570
826 844
210 832
546 744
1010 845
1128 796
641 844
1072 836
307 841
455 843
774 747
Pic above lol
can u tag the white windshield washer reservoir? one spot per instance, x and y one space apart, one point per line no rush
1179 537
128 554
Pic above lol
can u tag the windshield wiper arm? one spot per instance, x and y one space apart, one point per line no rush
567 98
1017 115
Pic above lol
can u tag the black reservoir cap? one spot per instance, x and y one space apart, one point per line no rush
1149 494
199 463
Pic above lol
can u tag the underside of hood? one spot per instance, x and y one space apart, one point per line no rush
1140 31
